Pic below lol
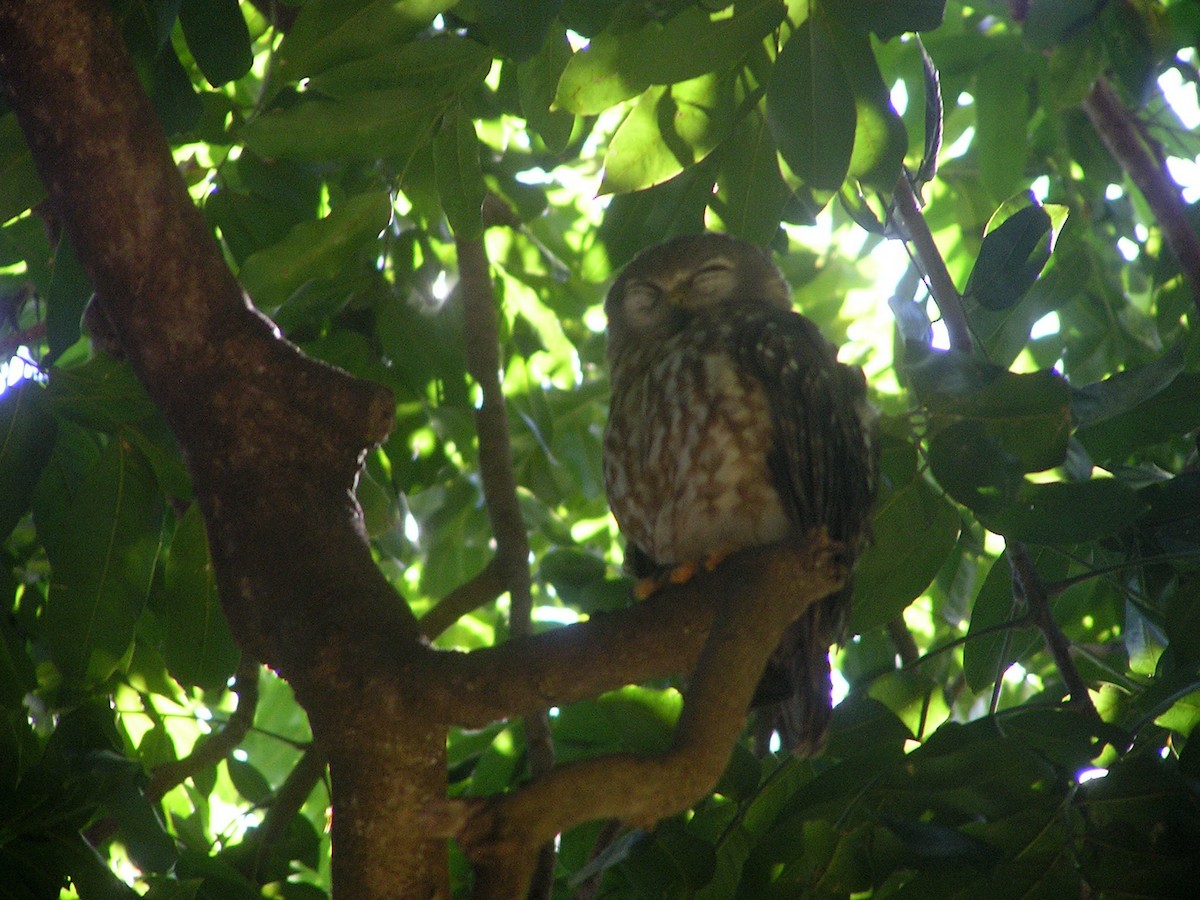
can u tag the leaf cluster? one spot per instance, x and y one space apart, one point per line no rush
337 150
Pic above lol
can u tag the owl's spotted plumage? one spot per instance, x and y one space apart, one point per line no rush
733 425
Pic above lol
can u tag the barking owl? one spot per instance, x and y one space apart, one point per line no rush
732 425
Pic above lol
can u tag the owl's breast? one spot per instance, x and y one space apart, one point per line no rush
685 457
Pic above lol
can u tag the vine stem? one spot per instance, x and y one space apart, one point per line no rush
482 339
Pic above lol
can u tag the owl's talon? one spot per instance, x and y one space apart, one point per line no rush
683 573
715 558
644 587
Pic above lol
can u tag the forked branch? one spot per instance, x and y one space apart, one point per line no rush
500 833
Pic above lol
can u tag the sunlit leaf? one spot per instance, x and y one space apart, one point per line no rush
314 250
914 530
669 129
617 66
810 106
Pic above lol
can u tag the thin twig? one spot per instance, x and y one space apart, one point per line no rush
1119 130
941 285
1027 580
482 338
207 752
467 597
903 641
1013 624
289 799
211 751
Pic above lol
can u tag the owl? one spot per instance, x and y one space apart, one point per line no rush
733 425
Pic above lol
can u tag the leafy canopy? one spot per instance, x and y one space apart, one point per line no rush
334 150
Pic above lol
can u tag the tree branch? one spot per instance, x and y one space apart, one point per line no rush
468 596
1028 581
482 340
1119 131
207 753
941 285
289 799
498 833
273 440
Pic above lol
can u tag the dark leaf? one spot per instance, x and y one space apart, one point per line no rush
459 177
197 646
103 564
1173 411
1010 259
217 37
1124 391
914 530
27 430
20 186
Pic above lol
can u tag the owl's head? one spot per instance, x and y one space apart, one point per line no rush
665 287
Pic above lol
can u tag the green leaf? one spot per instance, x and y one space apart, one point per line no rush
1067 512
175 99
459 177
880 140
670 128
327 32
1027 416
1167 414
517 28
248 780
1124 391
27 431
392 123
103 564
752 189
993 606
811 108
617 66
20 186
1001 120
70 290
197 645
862 724
1050 22
635 221
914 531
142 833
974 467
537 82
1010 259
103 393
445 64
315 250
887 18
217 37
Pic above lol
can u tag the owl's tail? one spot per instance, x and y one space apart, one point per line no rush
793 698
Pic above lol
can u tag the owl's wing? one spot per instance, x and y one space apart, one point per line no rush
823 466
822 458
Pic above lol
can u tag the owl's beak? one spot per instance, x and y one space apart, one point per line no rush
677 296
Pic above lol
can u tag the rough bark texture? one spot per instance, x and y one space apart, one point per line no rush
273 440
